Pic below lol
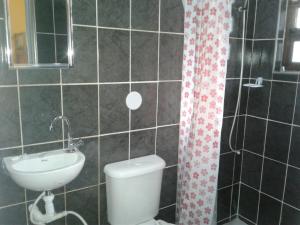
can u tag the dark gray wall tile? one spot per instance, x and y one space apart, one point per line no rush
113 13
262 59
248 58
235 199
9 118
236 141
269 210
231 95
255 135
170 59
258 100
113 148
144 14
10 192
85 203
114 115
144 56
225 170
289 215
223 204
251 169
13 215
103 205
285 76
169 95
114 55
167 214
39 76
277 141
172 16
234 61
89 174
248 203
292 187
169 186
39 106
297 108
294 158
81 107
84 12
85 57
167 144
144 116
266 18
273 178
237 23
251 18
282 101
142 143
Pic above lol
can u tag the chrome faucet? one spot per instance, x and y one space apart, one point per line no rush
72 145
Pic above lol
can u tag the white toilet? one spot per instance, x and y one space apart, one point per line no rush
133 191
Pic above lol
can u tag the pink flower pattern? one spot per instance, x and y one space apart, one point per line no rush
206 46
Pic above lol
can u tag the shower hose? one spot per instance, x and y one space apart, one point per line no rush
65 213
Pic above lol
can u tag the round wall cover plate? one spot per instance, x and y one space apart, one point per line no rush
134 100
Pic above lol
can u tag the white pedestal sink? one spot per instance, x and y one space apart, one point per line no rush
45 171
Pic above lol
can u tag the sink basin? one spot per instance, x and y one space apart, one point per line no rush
44 171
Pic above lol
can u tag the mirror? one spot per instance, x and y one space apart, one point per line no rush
39 33
288 37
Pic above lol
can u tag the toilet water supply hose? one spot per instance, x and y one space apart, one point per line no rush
58 215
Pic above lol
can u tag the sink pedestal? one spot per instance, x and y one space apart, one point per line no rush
37 218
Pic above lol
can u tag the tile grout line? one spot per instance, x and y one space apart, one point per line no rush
21 136
130 70
92 136
264 148
157 77
128 29
63 132
54 29
270 196
248 96
99 116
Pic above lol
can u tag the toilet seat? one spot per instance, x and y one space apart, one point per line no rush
155 222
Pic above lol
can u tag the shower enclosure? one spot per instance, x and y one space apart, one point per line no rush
261 185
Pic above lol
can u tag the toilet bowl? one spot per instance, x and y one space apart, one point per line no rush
133 191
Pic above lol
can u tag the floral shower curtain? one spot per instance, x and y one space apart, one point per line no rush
206 46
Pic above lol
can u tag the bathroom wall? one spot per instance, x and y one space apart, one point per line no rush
270 169
119 46
229 170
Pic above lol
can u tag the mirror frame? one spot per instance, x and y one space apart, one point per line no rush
281 18
40 65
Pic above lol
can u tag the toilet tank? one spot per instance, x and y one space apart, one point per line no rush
133 190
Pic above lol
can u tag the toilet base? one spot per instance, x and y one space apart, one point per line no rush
155 222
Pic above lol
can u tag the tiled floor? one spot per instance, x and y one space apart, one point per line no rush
236 222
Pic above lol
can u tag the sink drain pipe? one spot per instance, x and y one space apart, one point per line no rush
38 218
